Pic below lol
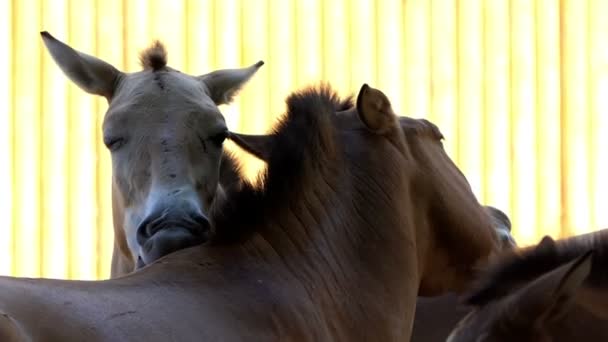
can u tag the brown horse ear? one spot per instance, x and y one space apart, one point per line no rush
224 84
375 110
91 74
258 145
550 295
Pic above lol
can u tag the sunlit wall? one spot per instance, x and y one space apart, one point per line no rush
518 87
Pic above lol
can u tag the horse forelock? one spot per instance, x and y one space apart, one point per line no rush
154 57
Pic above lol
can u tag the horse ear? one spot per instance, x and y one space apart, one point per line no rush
547 297
91 74
258 145
375 110
224 84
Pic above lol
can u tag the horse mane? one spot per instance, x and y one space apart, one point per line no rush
154 57
521 266
303 145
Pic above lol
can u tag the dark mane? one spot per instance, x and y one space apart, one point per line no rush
154 57
231 174
521 266
303 146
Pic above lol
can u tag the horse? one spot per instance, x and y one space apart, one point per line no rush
164 131
436 316
554 291
357 212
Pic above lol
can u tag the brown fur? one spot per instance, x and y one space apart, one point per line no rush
525 264
440 182
437 316
304 135
154 57
523 296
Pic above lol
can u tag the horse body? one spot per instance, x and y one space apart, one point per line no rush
175 300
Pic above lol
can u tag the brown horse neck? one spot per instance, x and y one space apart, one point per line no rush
343 256
594 299
328 217
586 320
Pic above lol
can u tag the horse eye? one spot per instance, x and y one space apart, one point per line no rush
113 143
219 138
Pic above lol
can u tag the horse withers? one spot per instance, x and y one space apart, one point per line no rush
164 131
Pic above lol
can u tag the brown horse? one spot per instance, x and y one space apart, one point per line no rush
555 291
436 316
355 215
165 132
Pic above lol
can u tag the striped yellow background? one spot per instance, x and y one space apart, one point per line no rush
519 88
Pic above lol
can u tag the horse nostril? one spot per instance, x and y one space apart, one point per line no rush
142 231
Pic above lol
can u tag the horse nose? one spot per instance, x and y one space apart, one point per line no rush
170 229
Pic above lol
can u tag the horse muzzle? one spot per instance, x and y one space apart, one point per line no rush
166 232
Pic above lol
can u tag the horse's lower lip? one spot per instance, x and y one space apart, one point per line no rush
168 240
194 230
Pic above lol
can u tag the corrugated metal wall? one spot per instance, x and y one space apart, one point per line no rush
519 88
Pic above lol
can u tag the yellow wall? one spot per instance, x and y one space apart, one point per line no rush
519 88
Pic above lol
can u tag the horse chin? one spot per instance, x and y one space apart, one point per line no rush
167 241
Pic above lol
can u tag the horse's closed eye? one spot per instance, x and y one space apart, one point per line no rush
113 143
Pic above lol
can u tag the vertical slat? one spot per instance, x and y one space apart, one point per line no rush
282 55
598 111
27 144
166 18
308 37
254 96
470 93
336 47
417 59
227 49
363 43
523 120
443 86
389 56
575 120
548 113
109 47
54 221
6 139
82 170
136 21
497 106
200 33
